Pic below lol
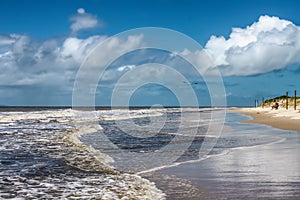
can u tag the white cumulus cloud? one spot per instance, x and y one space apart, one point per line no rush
83 20
80 10
51 62
266 45
8 39
126 68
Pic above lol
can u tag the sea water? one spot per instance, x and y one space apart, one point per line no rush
101 154
41 156
258 162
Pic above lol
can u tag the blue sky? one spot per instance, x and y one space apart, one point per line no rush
43 43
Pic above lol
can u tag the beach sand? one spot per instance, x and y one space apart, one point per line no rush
281 118
266 171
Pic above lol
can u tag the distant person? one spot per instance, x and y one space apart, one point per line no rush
275 106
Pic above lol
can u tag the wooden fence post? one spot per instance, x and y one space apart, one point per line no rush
295 100
287 101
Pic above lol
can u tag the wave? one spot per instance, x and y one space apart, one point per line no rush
121 114
43 153
42 116
42 157
129 114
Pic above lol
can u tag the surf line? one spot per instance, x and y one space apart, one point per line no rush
225 152
180 163
259 145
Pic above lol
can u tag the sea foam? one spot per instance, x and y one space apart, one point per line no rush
43 157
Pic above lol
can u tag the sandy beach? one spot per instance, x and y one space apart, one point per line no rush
281 118
256 171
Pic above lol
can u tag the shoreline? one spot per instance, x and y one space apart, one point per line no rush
229 176
281 118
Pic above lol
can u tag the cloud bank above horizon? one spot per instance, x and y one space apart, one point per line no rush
267 45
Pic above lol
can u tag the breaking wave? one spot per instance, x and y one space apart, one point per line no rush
41 156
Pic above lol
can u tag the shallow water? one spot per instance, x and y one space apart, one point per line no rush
84 155
263 171
137 149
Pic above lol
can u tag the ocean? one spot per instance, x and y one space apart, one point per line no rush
137 154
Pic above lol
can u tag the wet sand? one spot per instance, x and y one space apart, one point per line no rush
265 171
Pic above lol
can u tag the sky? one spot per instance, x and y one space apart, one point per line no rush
254 46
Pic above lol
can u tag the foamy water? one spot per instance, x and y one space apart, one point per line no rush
42 157
100 154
